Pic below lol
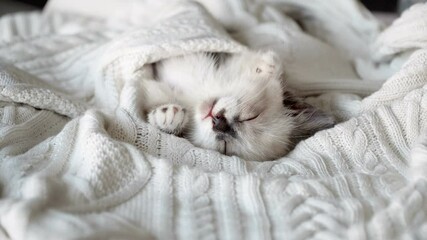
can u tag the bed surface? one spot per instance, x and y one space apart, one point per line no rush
78 160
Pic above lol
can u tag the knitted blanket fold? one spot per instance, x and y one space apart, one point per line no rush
78 161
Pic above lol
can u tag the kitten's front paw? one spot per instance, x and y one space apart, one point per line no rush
169 118
267 65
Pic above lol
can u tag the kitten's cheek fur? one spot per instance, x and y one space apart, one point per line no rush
203 136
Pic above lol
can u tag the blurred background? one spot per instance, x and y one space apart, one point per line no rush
389 6
37 3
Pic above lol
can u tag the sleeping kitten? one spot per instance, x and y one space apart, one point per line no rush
234 104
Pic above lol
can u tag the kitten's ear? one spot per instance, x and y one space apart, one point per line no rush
309 119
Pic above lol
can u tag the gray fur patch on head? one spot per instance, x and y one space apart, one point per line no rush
308 119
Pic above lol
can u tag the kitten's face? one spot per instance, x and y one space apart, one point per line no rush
248 121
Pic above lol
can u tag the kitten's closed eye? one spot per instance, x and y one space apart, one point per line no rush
248 119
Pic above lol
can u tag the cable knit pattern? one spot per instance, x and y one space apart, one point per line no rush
77 160
406 33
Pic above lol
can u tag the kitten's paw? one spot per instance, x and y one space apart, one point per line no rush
169 118
267 65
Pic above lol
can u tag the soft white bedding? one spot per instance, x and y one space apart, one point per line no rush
77 161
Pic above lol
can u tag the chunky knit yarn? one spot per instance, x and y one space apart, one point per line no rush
77 160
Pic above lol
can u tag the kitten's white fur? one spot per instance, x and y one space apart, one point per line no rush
244 90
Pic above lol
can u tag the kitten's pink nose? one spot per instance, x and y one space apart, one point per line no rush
208 107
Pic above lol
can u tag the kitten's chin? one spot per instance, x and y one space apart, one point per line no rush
202 134
206 138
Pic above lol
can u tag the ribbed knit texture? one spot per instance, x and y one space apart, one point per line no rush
77 161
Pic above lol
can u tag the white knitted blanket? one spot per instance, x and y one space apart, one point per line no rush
78 162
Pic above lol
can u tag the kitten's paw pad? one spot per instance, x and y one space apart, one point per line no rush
169 118
267 65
